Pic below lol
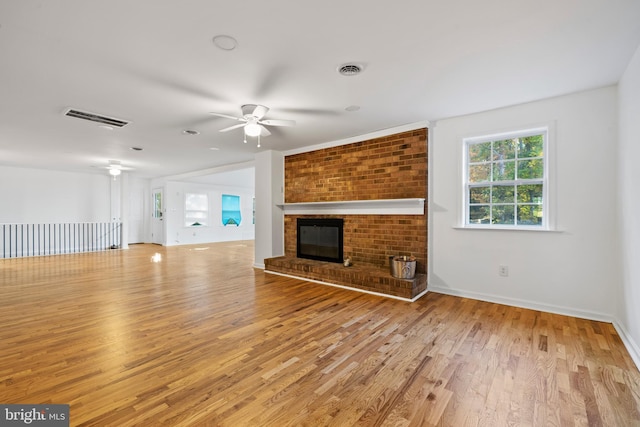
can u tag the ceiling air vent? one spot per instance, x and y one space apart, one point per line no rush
350 69
97 118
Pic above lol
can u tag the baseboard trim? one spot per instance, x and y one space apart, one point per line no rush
629 343
631 346
531 305
350 288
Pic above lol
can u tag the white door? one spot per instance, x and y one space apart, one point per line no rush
157 226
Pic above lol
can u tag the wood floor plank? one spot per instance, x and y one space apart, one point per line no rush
201 338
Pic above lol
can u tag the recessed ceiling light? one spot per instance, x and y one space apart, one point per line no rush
105 127
225 42
352 108
135 148
350 69
190 132
214 148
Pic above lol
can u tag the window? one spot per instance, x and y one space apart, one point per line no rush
157 204
231 210
196 209
506 180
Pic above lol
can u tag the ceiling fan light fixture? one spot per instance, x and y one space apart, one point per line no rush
252 122
252 129
114 172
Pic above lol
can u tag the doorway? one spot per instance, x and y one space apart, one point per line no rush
157 225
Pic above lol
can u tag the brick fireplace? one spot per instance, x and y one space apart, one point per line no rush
386 168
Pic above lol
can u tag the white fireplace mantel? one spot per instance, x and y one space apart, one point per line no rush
357 207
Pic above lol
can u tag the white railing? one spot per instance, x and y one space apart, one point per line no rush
26 240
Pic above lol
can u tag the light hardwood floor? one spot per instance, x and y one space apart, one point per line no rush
201 338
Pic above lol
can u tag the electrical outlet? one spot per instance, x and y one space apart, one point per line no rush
503 270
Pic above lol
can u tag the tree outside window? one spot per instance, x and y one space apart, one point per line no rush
505 179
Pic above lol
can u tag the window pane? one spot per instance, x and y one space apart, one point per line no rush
479 194
506 178
503 214
530 215
503 194
231 210
530 169
197 215
504 170
196 202
505 149
531 146
480 152
157 205
196 209
530 193
479 214
480 173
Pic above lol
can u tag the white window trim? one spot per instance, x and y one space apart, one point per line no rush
548 222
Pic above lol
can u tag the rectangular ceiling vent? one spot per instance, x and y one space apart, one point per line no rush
93 117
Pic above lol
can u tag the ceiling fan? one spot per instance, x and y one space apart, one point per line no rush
252 121
115 168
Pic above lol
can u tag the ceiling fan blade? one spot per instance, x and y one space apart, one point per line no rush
264 131
278 122
113 164
253 111
226 116
259 111
233 127
313 111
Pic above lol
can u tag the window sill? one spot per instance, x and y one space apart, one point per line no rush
506 228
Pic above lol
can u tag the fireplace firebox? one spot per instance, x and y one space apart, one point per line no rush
320 239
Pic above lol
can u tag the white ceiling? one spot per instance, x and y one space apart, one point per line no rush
154 63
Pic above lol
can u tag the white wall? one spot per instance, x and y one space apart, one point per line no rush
269 217
629 199
176 233
573 271
138 201
45 196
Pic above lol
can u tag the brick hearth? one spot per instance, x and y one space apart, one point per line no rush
360 276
